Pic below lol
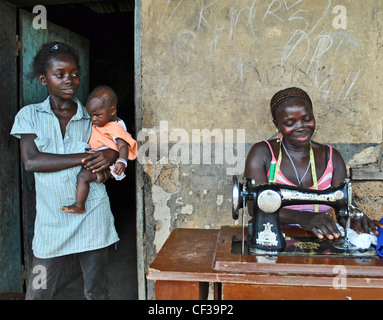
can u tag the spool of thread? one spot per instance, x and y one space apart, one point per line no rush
272 171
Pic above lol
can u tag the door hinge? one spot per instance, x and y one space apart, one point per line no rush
23 273
18 45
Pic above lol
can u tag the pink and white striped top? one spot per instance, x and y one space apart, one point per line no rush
323 183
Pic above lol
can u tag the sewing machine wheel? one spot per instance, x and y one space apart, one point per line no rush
236 197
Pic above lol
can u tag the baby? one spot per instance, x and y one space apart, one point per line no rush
108 131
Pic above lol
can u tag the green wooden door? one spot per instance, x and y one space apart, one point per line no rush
33 92
10 235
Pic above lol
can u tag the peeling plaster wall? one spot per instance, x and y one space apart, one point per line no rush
165 182
214 65
187 197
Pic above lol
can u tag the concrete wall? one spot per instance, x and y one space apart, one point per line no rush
209 69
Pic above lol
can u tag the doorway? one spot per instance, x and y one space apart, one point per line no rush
109 26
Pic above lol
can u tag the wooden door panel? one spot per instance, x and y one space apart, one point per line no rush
10 235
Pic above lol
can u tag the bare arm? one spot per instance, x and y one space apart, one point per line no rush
340 171
36 161
255 166
123 148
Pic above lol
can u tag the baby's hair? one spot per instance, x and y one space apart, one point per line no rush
104 93
49 51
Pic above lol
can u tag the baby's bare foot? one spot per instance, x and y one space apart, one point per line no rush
74 208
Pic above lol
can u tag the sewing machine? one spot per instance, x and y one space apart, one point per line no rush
264 229
305 269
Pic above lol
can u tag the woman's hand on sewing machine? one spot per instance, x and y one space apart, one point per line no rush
365 224
320 224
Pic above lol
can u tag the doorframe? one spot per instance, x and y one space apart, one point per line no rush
140 217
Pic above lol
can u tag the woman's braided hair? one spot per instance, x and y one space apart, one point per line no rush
286 94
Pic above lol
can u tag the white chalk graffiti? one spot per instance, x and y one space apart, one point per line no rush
311 42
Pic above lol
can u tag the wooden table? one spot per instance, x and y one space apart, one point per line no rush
192 258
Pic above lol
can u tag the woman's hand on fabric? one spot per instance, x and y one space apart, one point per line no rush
364 225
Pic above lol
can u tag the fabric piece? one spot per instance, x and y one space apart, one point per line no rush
379 245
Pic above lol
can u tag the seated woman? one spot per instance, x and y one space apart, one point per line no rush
299 161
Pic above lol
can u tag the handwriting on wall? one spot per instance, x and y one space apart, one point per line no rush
216 64
304 40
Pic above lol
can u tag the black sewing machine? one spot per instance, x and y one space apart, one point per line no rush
264 229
